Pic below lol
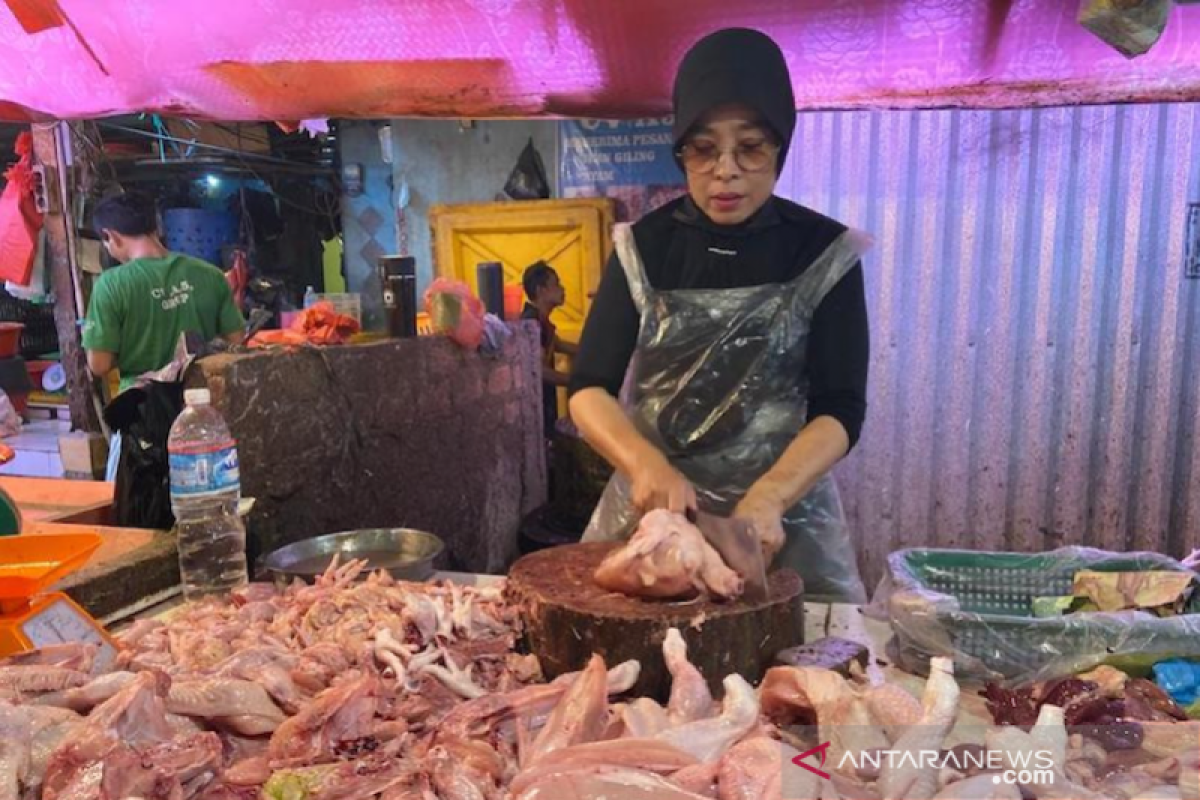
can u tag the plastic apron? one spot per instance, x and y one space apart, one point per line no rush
717 384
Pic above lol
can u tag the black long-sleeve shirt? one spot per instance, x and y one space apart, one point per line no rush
682 249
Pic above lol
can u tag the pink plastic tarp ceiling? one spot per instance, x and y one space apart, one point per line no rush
298 59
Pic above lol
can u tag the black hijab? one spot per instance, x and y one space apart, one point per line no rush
735 65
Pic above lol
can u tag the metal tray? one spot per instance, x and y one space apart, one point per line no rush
406 553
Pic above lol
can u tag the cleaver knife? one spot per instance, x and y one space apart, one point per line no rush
734 539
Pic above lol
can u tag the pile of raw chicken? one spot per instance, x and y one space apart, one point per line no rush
371 688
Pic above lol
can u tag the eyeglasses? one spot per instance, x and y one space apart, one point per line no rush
703 157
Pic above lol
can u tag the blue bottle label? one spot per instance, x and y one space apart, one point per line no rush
200 474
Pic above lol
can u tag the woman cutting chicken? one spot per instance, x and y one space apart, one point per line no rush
741 320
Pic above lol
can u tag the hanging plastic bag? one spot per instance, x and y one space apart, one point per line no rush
20 221
1131 27
238 278
528 179
455 312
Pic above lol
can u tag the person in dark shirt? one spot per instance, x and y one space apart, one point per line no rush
544 292
736 323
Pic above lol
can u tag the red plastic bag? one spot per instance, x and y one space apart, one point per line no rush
455 312
20 221
319 325
238 278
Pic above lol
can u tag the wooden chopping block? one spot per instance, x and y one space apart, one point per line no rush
568 617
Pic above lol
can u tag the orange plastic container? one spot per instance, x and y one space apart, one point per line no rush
10 338
32 562
36 370
514 301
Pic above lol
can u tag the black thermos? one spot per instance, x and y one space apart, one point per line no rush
490 279
399 277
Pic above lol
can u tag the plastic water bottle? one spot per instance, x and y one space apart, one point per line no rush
205 489
310 298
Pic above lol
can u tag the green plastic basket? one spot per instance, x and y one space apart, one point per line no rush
982 603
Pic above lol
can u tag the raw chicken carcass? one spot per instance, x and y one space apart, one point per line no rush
690 698
48 728
25 679
850 728
1048 738
339 715
668 558
479 717
641 754
644 718
72 655
133 717
798 695
893 708
699 779
268 667
808 695
85 698
581 716
980 787
910 778
245 707
162 770
610 783
708 739
455 779
14 750
752 770
346 780
804 784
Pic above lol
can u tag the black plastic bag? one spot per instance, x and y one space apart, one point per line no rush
144 415
1131 27
528 180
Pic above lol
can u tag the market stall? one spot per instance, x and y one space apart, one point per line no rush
360 685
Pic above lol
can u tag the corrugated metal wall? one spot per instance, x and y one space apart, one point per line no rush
1036 347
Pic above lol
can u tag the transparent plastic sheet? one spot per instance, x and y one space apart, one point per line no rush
714 386
975 608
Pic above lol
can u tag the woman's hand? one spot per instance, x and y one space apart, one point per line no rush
766 515
656 484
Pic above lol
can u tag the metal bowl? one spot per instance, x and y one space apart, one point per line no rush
405 553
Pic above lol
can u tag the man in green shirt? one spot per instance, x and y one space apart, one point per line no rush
139 309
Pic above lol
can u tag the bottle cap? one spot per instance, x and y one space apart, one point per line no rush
197 397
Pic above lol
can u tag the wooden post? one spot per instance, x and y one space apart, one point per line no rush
51 149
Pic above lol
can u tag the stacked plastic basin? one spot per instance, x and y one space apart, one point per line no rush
199 232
